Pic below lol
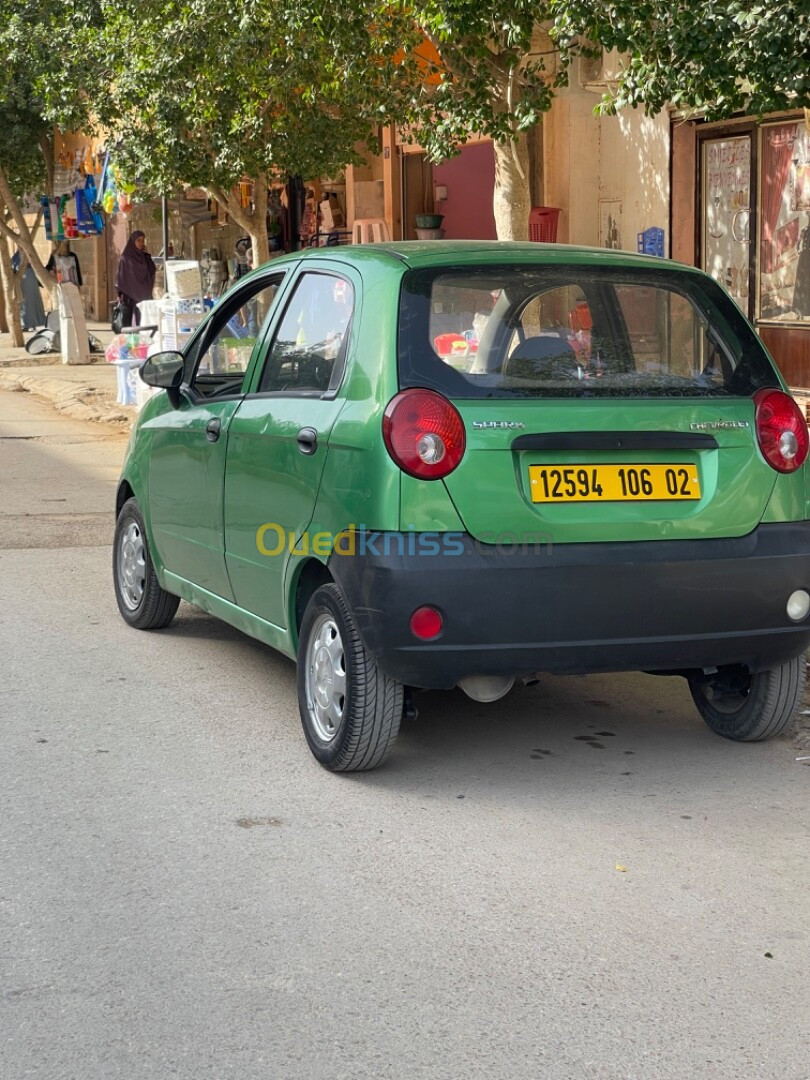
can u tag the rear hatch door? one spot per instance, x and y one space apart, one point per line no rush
601 402
607 470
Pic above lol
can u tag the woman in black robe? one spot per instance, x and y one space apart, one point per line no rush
33 311
135 276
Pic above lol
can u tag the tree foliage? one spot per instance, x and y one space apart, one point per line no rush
205 93
497 73
704 55
31 68
501 64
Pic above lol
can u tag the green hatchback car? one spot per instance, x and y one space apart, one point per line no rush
447 464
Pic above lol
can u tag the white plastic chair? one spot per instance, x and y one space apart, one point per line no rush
370 231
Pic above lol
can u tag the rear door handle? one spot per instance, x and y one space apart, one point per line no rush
213 429
307 440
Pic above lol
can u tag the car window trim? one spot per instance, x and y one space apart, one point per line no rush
312 395
339 366
730 333
199 345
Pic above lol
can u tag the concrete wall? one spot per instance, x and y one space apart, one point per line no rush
609 175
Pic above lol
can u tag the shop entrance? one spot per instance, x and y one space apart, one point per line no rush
752 229
417 191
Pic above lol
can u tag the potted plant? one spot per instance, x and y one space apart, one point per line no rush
429 221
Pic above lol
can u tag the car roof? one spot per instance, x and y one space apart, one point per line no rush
424 253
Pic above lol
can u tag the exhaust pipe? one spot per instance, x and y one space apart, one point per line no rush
487 687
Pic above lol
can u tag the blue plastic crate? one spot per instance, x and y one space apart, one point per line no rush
651 242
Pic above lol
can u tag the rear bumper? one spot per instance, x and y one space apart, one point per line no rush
579 608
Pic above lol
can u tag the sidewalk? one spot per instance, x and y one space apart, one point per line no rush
84 392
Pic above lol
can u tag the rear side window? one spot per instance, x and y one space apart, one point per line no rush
567 332
309 347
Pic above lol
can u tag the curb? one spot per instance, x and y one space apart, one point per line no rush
48 360
77 400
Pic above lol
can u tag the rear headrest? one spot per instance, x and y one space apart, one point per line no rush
547 347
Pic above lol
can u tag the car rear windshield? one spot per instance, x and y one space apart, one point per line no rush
518 331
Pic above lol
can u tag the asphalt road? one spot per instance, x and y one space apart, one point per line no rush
579 881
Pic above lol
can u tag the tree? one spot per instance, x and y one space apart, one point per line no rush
36 82
495 73
700 55
206 94
26 157
501 63
199 92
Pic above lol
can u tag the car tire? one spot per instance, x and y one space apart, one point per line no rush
752 707
141 600
350 709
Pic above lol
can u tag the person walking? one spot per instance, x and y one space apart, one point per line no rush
135 276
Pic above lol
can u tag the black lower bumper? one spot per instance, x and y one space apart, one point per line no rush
578 608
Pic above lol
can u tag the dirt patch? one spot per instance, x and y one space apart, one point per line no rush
19 531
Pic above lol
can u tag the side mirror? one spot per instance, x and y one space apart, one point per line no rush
165 371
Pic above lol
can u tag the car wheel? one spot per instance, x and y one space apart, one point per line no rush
747 707
141 600
350 709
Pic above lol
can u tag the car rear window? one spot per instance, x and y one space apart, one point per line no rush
517 331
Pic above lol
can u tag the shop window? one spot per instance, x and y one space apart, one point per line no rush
726 201
784 263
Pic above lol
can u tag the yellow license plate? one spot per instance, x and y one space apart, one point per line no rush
613 483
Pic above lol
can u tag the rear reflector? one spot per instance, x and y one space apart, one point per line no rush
781 430
426 623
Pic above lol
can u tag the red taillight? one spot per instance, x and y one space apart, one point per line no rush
781 430
424 434
426 623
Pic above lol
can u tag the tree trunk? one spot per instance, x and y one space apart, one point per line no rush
3 321
255 223
259 239
11 294
46 149
22 237
511 200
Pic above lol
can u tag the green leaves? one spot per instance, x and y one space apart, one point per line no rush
206 92
203 95
700 54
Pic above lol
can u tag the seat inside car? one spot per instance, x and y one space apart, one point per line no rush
546 355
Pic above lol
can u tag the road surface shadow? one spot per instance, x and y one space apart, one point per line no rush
617 732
